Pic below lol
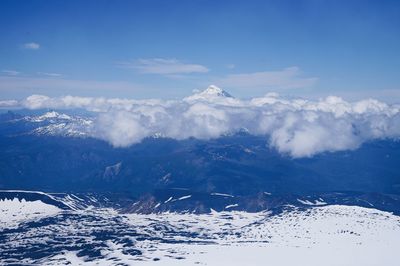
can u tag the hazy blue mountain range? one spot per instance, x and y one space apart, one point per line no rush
39 152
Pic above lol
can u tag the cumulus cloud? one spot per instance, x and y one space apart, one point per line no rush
288 78
31 46
164 66
122 123
296 127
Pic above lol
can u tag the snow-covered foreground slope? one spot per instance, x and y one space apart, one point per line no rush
15 211
331 235
326 235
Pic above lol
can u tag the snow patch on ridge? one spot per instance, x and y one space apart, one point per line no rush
316 203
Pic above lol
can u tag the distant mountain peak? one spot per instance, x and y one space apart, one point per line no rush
215 91
53 115
211 92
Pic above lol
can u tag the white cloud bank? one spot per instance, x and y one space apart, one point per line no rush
297 127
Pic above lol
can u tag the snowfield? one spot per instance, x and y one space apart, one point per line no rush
331 235
318 235
15 211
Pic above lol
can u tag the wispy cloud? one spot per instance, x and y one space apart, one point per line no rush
62 85
47 74
11 72
288 78
31 46
17 73
8 103
164 66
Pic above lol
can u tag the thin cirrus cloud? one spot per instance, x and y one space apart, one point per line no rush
11 72
31 46
47 74
51 83
288 78
163 66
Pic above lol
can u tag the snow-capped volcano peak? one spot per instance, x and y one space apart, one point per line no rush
212 92
54 115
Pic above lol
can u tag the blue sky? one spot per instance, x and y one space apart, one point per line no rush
166 49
